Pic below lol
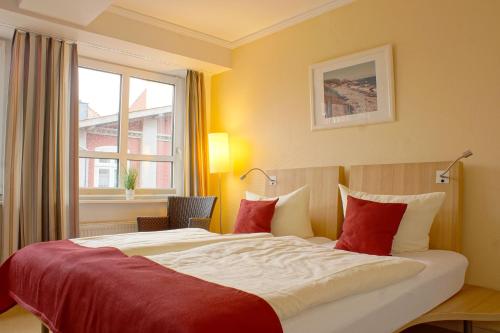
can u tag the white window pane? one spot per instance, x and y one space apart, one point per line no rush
98 172
150 117
156 175
99 111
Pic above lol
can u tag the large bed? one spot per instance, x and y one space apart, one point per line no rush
366 294
389 308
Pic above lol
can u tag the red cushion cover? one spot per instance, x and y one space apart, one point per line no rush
369 227
255 216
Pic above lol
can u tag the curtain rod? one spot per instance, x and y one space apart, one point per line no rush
59 39
92 45
69 41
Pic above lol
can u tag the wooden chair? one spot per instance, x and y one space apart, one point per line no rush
183 212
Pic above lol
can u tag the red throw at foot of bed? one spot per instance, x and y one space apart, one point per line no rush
74 289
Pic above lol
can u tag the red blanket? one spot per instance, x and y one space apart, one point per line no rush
76 289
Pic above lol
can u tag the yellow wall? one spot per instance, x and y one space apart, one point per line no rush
447 78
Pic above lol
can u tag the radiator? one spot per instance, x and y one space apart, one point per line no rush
88 229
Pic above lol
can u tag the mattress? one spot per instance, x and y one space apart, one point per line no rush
387 309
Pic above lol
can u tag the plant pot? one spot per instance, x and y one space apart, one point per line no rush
129 194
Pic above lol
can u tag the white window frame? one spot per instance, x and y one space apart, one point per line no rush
122 155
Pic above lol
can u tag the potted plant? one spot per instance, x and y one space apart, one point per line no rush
129 181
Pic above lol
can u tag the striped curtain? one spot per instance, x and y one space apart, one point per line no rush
41 155
196 156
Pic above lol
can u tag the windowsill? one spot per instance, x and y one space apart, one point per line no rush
89 199
101 200
120 199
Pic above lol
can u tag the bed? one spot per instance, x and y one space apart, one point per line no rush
361 308
389 308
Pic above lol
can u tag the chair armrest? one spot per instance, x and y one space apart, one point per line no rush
152 223
197 222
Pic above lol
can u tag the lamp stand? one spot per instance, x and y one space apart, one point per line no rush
220 203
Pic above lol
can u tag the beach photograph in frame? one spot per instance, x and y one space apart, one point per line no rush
353 90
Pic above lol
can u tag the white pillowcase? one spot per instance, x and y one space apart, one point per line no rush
291 216
413 232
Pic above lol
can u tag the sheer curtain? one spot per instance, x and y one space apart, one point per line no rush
196 157
41 143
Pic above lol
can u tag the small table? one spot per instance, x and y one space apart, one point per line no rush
472 303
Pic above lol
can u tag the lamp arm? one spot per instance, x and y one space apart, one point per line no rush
257 169
466 154
443 174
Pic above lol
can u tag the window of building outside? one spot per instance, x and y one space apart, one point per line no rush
129 119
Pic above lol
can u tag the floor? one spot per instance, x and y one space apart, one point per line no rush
19 321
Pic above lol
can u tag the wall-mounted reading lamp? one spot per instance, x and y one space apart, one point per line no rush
444 176
272 179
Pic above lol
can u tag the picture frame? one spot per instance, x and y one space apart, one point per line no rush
353 90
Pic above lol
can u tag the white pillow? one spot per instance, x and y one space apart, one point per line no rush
291 216
413 232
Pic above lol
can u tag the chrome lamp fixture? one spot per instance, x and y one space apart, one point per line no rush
272 179
444 175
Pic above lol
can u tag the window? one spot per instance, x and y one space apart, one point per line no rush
129 119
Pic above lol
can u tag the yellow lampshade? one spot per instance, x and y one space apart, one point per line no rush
218 150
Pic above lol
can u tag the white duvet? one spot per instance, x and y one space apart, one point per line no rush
150 243
290 273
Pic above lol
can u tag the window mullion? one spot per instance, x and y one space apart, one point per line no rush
123 127
151 158
97 154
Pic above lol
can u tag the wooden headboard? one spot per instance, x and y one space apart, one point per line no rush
415 178
325 199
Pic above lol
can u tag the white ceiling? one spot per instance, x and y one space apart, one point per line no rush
229 20
75 11
108 48
226 23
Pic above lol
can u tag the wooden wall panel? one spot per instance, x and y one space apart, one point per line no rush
325 198
415 178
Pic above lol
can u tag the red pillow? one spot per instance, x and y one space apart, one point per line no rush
369 227
254 216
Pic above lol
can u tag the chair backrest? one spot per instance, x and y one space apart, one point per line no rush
181 209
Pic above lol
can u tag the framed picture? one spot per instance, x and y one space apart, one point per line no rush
353 90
